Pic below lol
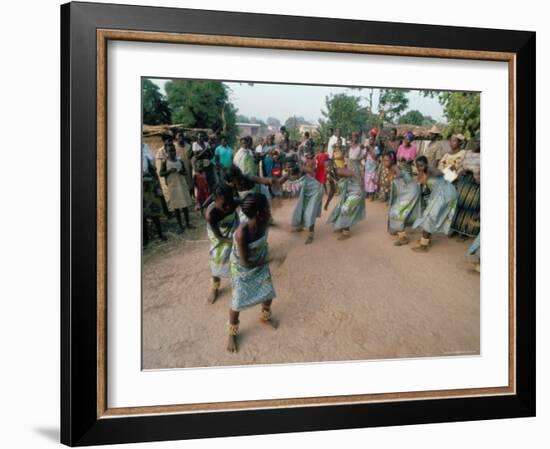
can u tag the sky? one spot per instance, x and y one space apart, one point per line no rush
262 100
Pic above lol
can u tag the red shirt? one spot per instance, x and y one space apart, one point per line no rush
321 175
201 188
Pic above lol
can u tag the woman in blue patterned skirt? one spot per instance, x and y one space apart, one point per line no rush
350 210
440 207
250 275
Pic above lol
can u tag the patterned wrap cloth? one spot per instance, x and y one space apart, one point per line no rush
177 188
251 286
475 247
351 208
440 208
308 207
370 173
385 178
466 219
152 206
405 204
220 252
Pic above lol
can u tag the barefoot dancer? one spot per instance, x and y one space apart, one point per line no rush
441 207
250 274
221 222
310 201
405 206
351 208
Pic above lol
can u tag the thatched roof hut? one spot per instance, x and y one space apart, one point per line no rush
152 133
420 132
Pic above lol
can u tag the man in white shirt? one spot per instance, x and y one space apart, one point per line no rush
260 146
333 140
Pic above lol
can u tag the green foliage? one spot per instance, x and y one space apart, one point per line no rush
155 107
293 124
462 110
202 104
412 117
392 103
345 112
415 117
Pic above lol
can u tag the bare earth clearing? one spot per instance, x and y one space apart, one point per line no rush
358 299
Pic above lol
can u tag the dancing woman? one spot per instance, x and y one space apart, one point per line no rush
310 200
440 208
351 208
405 204
250 275
222 221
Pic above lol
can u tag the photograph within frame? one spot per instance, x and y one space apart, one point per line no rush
164 347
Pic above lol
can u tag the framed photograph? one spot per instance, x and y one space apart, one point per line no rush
283 224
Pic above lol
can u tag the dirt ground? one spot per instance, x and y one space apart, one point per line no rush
358 299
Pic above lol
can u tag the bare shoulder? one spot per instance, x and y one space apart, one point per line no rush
210 213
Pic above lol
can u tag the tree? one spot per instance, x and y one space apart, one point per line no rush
242 118
412 117
274 122
345 112
428 121
202 104
292 125
155 106
392 103
462 110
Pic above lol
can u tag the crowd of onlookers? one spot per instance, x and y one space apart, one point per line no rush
181 175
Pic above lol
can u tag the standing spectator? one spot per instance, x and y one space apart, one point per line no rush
467 218
371 173
407 151
161 156
393 142
453 160
434 151
185 153
333 140
245 160
152 207
224 153
322 165
173 171
356 155
305 147
260 146
204 156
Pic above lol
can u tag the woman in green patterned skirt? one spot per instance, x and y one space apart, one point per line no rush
222 221
351 208
405 205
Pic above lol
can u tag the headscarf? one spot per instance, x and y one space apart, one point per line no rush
374 132
409 136
459 136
